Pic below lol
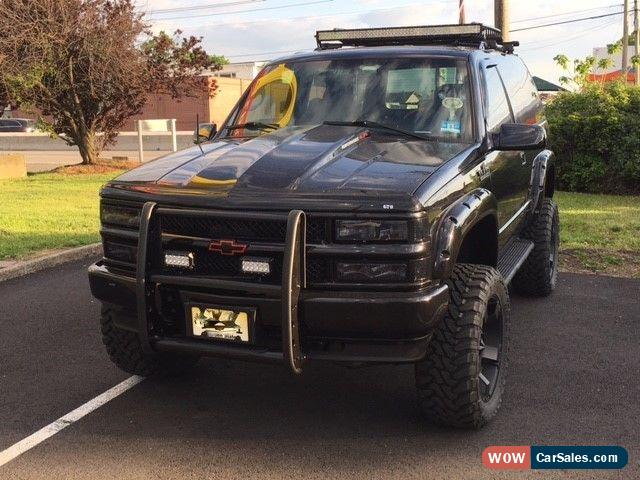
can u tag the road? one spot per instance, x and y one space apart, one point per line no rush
44 153
45 161
573 379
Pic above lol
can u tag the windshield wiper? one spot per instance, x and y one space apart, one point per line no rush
253 126
382 126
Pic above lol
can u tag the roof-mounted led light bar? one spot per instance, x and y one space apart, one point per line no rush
468 34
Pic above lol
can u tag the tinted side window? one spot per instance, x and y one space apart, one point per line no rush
498 111
521 89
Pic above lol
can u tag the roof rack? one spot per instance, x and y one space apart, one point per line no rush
469 34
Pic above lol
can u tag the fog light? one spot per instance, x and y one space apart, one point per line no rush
178 259
120 252
258 266
371 272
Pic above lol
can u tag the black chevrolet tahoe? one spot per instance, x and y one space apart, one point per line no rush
365 203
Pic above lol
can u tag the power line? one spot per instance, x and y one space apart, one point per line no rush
275 7
305 17
567 21
263 53
201 7
537 46
524 20
530 45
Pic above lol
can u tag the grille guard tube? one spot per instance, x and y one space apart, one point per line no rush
293 281
142 292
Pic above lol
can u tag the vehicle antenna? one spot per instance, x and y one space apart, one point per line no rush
198 133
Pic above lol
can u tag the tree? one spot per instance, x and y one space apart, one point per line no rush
4 99
174 64
88 65
578 75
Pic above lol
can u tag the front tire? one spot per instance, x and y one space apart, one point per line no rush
461 380
124 350
539 274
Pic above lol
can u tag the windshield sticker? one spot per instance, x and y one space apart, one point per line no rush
451 126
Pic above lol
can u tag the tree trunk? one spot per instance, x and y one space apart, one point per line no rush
89 147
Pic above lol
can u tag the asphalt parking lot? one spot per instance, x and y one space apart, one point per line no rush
573 379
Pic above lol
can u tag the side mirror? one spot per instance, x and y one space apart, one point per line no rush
520 136
205 132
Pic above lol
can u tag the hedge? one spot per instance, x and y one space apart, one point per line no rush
595 134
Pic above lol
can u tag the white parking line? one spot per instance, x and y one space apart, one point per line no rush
63 422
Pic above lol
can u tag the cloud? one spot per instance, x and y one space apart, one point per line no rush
258 35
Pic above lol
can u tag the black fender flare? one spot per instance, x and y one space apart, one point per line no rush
542 177
455 223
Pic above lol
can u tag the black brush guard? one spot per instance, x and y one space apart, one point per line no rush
293 281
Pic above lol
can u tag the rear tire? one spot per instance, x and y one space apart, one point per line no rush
124 349
461 380
539 274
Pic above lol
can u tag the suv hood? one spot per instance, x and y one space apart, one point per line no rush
332 160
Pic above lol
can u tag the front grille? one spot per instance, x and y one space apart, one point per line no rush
188 231
251 231
238 229
213 264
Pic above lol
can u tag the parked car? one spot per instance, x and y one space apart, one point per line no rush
17 125
361 205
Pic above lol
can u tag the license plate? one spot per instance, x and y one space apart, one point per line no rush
221 323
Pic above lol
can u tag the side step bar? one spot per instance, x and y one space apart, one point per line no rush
513 257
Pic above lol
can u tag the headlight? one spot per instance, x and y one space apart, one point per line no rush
371 272
119 215
371 230
120 251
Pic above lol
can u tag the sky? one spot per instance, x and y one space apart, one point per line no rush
248 30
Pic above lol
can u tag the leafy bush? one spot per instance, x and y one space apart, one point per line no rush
595 134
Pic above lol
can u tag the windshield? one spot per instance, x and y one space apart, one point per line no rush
427 96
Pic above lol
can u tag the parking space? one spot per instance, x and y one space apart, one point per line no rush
51 358
572 380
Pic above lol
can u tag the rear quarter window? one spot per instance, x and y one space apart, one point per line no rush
497 105
522 91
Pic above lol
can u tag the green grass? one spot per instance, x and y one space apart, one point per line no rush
55 210
45 211
608 223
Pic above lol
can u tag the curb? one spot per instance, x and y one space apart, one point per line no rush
48 260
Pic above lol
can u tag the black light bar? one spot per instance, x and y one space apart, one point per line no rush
465 34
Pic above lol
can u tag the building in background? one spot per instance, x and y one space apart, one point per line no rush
243 70
615 71
232 81
201 106
547 89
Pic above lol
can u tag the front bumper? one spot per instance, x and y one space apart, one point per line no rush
293 323
368 327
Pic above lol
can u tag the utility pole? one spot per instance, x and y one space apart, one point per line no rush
625 40
462 18
501 15
637 35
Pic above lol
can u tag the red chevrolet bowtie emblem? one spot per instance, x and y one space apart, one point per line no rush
228 247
